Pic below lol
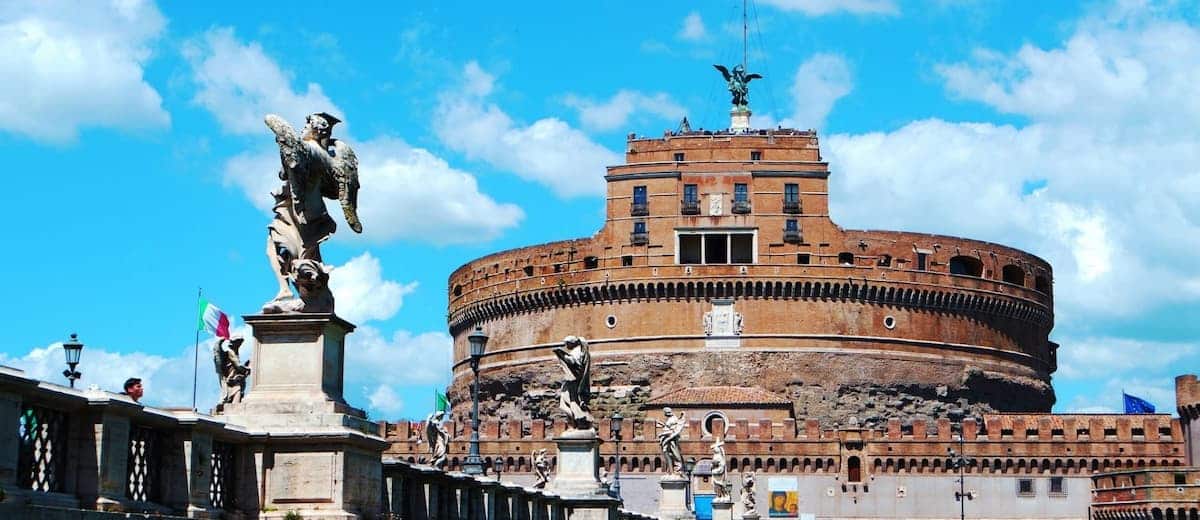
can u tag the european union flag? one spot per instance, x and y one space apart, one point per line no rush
1137 404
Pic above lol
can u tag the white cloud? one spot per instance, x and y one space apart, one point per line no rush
693 28
407 192
819 82
361 292
617 110
71 65
239 84
548 151
1160 392
384 400
1099 357
826 7
1111 135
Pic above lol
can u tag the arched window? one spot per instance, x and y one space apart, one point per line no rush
1042 284
1013 274
966 265
854 469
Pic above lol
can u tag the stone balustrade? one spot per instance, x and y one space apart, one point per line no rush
418 492
77 450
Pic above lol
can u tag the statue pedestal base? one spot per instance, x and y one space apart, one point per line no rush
739 120
672 503
750 516
578 471
722 509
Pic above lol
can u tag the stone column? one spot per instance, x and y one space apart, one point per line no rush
112 458
197 456
722 509
672 503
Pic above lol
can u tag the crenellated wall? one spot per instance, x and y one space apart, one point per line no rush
1001 444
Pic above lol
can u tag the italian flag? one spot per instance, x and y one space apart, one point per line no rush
213 320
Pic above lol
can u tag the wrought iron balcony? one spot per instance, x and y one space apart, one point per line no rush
639 209
791 206
792 236
741 207
689 207
639 239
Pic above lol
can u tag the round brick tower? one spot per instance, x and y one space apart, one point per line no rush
718 264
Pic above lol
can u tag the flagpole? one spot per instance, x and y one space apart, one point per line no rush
196 350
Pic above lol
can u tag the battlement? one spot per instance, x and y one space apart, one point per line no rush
1187 395
1003 443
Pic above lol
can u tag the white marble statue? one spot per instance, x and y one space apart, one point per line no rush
576 388
737 323
721 484
541 468
708 323
231 372
315 166
749 500
669 434
438 439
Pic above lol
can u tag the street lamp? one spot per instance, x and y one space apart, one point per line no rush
959 461
498 465
617 420
72 348
478 340
689 465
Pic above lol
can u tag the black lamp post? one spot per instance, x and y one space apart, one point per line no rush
474 464
689 466
959 461
72 348
498 466
617 420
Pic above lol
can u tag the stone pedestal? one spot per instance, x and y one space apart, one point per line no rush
739 119
722 509
578 471
672 503
750 516
322 458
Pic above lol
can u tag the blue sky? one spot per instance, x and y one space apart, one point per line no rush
133 133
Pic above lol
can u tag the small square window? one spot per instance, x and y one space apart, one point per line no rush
678 156
1180 479
528 270
1110 432
1139 432
627 260
755 155
803 258
591 262
1025 487
791 224
1057 486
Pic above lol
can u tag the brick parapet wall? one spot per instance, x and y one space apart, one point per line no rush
804 446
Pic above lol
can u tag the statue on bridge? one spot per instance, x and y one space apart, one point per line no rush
231 372
315 166
438 439
670 431
576 390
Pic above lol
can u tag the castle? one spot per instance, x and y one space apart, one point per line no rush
840 364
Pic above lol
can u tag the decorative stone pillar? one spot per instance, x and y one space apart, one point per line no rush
578 470
672 503
197 444
112 458
739 120
722 509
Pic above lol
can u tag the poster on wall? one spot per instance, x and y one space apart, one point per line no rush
783 500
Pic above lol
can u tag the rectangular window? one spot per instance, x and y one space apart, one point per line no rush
791 193
921 259
803 258
755 155
716 249
690 193
791 224
1057 486
639 194
741 248
1180 479
627 260
689 249
1025 487
639 226
740 193
678 156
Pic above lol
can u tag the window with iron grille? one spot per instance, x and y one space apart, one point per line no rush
639 206
142 471
741 193
220 489
791 198
42 456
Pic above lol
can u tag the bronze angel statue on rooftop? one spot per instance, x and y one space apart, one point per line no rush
739 84
315 166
